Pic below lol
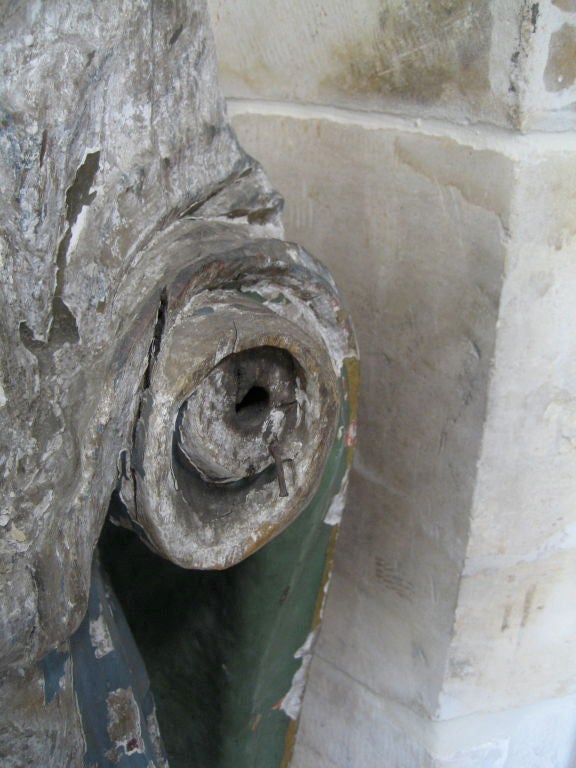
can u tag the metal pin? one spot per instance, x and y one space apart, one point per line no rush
275 453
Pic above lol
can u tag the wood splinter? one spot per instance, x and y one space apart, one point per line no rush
279 464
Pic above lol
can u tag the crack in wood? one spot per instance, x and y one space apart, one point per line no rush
153 352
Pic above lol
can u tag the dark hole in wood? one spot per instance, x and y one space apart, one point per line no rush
254 403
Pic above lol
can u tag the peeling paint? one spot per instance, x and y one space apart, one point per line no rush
88 321
100 637
292 702
53 667
336 509
350 437
16 534
124 728
76 228
319 320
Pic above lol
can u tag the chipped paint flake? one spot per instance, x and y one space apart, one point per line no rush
292 702
350 438
274 423
320 320
154 733
17 535
77 228
53 667
124 727
100 637
336 509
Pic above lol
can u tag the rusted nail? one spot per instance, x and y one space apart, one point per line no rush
275 453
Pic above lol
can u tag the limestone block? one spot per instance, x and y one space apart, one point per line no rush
378 734
443 58
515 626
560 70
415 228
509 63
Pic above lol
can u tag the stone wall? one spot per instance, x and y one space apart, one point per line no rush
427 155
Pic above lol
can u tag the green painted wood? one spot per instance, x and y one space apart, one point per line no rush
219 646
279 592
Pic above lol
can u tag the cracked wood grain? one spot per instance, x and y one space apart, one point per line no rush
141 257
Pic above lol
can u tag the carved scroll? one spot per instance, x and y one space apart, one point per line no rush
163 347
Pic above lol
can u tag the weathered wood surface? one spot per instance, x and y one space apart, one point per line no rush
112 129
142 264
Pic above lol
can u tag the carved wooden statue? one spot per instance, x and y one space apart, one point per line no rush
171 364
